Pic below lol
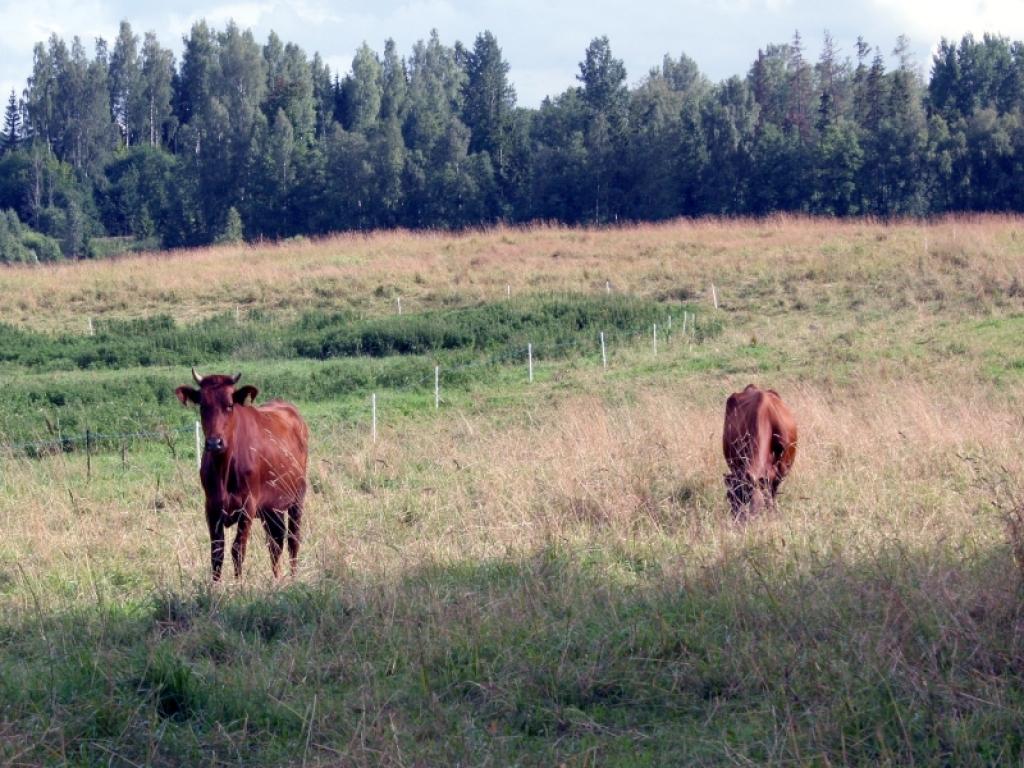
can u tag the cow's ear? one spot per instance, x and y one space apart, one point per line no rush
245 393
187 395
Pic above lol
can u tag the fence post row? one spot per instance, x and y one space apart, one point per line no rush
689 323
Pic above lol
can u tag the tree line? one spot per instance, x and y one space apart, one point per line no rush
240 139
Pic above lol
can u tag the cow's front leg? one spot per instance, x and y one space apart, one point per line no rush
242 538
215 522
761 498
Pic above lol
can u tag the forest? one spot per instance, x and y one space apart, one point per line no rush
128 149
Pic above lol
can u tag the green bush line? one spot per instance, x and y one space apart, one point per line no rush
48 413
160 341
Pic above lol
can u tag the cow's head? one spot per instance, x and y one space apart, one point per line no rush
216 398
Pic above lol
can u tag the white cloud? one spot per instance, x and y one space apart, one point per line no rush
340 65
737 7
532 85
27 23
317 12
245 15
5 91
933 19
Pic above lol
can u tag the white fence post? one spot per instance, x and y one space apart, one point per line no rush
529 359
199 453
437 387
607 286
714 295
399 300
92 331
604 354
508 290
685 313
373 412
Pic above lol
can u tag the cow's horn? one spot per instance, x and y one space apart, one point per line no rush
196 376
237 377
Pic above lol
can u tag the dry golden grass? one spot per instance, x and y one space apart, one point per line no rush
550 574
622 470
808 258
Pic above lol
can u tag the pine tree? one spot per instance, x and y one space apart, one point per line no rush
768 81
363 91
323 95
41 95
126 85
84 133
194 82
11 134
232 231
434 95
290 87
876 93
801 94
489 98
828 76
394 100
156 91
605 94
603 77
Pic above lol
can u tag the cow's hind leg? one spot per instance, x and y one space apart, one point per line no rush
274 522
294 534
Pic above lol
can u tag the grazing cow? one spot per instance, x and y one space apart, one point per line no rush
759 442
254 466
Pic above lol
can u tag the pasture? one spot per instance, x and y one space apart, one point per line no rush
535 573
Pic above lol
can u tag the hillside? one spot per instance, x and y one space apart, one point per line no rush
536 572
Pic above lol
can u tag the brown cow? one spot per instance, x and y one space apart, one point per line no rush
759 442
254 466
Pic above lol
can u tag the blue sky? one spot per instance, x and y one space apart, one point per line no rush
543 40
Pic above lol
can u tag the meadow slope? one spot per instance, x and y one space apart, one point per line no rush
535 573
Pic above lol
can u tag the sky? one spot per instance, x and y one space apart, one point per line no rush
543 40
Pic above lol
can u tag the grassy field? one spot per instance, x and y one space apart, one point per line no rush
536 573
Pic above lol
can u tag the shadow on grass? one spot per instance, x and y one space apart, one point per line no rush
768 656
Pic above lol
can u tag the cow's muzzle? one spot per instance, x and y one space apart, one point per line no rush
215 444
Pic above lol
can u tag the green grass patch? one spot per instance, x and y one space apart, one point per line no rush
538 660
